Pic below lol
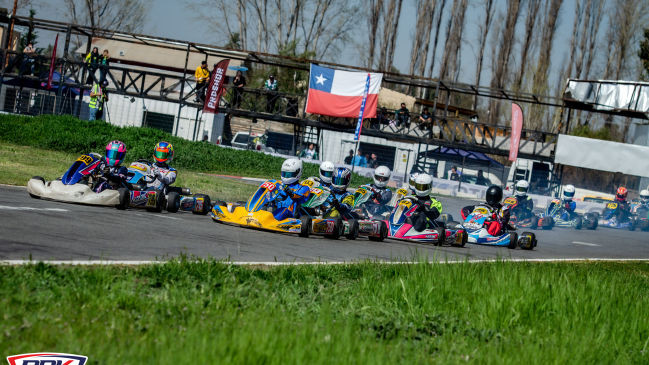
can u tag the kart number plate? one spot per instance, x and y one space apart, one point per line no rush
361 191
138 166
269 186
458 237
407 203
510 201
482 211
308 183
556 201
402 192
316 191
349 200
611 206
151 200
85 159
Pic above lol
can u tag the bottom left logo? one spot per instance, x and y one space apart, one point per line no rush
50 358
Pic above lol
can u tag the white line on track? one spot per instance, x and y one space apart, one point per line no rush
159 216
30 208
586 244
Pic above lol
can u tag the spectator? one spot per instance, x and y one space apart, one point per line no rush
239 83
480 180
92 61
271 94
202 75
348 159
359 160
310 152
374 162
205 138
98 96
402 115
104 62
28 61
424 119
367 159
454 174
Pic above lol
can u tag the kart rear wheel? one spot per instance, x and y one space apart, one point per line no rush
159 203
513 240
465 238
534 223
592 224
353 229
441 236
339 229
531 240
383 233
173 202
207 204
305 226
632 226
124 198
579 223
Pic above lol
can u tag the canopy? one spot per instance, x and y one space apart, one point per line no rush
456 155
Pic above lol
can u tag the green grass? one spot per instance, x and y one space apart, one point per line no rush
65 133
202 311
18 164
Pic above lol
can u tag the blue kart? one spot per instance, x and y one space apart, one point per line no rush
609 218
474 224
562 218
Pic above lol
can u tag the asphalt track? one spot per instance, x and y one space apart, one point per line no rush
48 230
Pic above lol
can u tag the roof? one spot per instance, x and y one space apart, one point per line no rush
457 155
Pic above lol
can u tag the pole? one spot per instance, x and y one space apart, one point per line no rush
355 154
107 113
13 21
462 173
182 89
432 123
407 163
195 124
59 92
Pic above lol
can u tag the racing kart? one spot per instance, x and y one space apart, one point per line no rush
478 234
140 173
76 185
438 232
519 218
641 212
609 218
557 212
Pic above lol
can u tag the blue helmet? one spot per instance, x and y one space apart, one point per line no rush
341 179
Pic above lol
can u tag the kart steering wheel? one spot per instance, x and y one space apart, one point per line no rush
144 160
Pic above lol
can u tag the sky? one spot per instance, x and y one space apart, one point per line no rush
170 19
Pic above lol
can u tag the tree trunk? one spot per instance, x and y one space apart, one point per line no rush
532 12
376 10
387 29
393 37
482 42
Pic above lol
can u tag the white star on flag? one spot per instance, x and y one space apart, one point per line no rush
320 79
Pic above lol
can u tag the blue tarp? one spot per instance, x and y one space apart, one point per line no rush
56 76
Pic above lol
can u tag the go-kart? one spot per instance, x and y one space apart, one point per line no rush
140 173
478 234
558 213
641 212
521 218
609 219
258 211
76 185
439 232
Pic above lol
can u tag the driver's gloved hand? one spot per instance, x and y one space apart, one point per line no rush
106 170
336 204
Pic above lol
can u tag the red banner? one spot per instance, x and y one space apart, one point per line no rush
517 127
215 89
49 78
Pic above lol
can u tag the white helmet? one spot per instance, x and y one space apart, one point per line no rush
423 185
568 193
326 171
291 171
411 181
522 187
644 196
381 176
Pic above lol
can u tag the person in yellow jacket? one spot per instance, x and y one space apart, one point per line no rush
92 61
202 75
98 96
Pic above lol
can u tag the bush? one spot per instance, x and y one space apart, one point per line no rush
69 134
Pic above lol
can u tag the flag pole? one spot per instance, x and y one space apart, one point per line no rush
359 123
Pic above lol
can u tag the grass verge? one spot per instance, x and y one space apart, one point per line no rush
18 164
202 311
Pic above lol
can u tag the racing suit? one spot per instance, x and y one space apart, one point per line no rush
428 209
340 204
623 212
164 176
524 207
568 210
115 177
379 201
289 200
499 218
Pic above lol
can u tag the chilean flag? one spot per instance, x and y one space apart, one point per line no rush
340 93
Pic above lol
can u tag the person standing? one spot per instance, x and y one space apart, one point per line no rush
454 174
92 61
104 62
28 61
202 75
359 160
310 152
374 162
271 94
98 96
348 159
239 83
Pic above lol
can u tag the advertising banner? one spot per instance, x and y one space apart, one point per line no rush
49 77
517 127
215 89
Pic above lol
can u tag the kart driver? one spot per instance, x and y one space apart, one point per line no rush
525 203
428 208
340 202
500 213
110 168
293 194
624 210
411 182
568 205
326 172
164 174
644 197
381 195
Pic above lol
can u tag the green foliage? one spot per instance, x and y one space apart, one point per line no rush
234 42
585 131
643 53
202 311
68 134
288 80
27 36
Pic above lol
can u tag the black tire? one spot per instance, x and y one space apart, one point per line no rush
513 240
173 202
532 243
534 223
579 224
632 226
465 239
339 229
159 203
124 198
207 204
353 229
383 232
305 226
441 236
592 224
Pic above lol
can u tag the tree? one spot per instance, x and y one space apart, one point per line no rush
643 53
483 30
375 8
390 28
533 7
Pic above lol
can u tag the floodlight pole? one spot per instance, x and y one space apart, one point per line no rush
182 89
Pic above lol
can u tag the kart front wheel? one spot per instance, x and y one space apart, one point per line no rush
339 229
124 198
531 240
353 229
305 226
534 223
592 224
441 236
383 233
207 204
579 223
173 202
513 240
632 226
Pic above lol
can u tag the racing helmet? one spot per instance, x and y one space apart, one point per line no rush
164 152
411 181
381 176
423 185
291 171
115 152
644 196
494 195
326 171
522 187
621 194
341 179
568 193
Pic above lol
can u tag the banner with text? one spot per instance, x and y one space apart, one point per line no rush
517 127
215 89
